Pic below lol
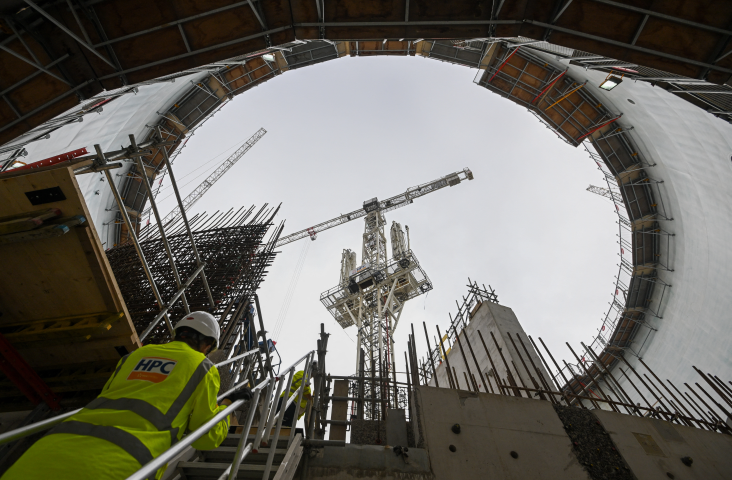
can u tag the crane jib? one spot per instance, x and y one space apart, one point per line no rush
389 204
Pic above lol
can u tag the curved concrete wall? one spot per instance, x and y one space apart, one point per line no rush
692 151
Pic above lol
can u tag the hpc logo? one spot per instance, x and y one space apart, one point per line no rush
152 369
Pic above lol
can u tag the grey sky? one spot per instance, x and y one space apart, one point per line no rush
348 130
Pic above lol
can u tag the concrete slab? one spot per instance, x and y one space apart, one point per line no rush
396 427
367 462
502 322
491 427
654 448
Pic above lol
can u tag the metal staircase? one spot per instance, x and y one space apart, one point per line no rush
213 463
267 452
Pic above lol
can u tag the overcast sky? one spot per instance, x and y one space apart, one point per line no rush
347 130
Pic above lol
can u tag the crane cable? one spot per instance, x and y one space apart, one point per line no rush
290 291
212 159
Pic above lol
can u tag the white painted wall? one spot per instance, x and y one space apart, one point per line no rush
128 114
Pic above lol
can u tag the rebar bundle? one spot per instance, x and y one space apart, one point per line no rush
235 256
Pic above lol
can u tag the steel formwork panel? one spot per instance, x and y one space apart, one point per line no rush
619 155
638 197
448 52
194 106
381 48
310 53
639 292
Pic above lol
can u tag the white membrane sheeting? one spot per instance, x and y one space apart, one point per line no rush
692 151
125 115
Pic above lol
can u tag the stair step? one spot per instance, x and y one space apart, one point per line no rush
226 454
232 440
207 470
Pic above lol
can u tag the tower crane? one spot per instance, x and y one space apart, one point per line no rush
391 203
196 194
372 295
605 192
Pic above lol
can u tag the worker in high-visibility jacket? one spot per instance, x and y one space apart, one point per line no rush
289 418
155 395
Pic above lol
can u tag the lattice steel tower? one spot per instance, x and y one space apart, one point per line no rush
372 296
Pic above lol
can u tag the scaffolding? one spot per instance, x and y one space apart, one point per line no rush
216 268
644 245
515 71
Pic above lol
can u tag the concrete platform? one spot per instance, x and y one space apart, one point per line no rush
654 448
491 427
366 462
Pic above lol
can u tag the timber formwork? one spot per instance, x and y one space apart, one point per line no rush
64 325
575 115
560 101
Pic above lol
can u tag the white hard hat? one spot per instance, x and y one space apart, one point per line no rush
202 322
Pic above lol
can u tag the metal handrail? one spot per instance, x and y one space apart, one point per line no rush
233 359
27 430
153 466
269 414
233 469
35 427
269 410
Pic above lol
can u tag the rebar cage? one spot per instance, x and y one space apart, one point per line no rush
235 266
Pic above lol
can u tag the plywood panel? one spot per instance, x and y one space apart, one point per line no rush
58 277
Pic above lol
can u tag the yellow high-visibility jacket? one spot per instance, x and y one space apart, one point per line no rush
156 394
296 382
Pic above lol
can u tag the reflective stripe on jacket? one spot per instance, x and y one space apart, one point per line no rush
155 395
296 382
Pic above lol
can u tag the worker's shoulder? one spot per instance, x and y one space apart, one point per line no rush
174 350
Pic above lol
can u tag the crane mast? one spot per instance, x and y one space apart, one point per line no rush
391 203
372 295
196 194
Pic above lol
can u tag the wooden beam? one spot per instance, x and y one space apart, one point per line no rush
60 331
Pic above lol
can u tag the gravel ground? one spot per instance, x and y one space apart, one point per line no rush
592 445
368 432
